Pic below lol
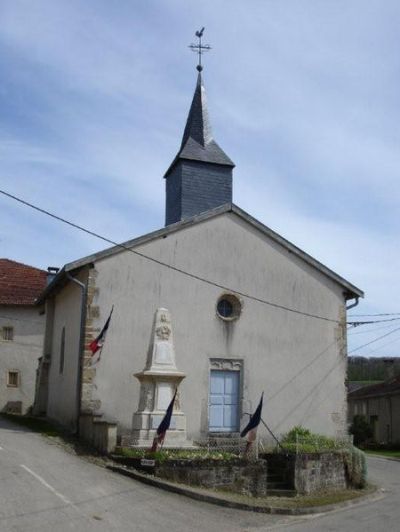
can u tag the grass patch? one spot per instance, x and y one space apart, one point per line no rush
34 424
384 452
175 454
299 501
307 501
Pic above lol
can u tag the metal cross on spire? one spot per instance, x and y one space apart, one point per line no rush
199 48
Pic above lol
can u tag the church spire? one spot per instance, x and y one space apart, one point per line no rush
198 143
198 125
200 176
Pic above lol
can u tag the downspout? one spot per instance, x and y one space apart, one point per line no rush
353 304
81 347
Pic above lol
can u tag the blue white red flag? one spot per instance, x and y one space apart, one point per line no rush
250 429
98 342
164 425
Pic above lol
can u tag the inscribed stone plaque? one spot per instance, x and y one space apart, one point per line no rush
164 395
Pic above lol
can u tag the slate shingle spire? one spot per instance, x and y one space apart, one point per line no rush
197 140
200 177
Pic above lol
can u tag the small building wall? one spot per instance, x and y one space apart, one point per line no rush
63 386
382 412
20 354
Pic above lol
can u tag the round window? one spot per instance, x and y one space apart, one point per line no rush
228 307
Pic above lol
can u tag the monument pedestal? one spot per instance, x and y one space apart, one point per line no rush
158 382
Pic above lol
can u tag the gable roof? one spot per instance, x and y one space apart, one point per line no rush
351 290
390 386
198 143
20 284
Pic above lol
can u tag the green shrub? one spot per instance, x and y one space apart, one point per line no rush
175 454
300 439
297 432
361 430
356 467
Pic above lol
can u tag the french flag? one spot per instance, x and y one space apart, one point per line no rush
98 342
164 425
250 429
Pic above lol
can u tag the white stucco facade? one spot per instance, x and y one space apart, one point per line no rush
298 361
63 315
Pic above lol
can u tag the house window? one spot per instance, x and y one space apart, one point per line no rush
228 307
13 379
62 350
8 334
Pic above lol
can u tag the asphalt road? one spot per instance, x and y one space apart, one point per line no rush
43 487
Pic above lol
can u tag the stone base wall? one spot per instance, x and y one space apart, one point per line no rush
247 478
309 473
98 433
319 472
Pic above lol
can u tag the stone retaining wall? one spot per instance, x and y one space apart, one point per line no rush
319 472
239 476
247 478
310 472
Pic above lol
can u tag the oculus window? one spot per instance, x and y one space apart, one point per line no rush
229 307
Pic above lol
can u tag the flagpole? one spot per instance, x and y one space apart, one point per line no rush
269 430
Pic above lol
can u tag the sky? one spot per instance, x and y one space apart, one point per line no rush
303 96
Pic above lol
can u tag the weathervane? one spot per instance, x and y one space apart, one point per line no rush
199 48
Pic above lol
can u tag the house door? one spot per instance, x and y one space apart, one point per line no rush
224 401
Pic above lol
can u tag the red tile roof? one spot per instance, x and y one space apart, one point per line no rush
20 284
388 387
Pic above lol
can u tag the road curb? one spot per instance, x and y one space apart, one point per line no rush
220 501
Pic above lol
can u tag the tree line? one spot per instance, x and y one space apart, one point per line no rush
372 368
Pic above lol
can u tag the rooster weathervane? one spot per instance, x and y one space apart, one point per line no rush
199 48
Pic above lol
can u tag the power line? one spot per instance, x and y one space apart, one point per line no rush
351 333
384 345
375 340
368 315
358 323
160 263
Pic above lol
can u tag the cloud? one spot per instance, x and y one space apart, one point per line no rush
304 99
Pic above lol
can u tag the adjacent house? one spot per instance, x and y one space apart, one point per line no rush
215 303
380 405
21 333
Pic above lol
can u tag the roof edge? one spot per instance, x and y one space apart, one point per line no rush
352 290
179 157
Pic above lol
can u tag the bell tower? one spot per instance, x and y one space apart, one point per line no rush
200 176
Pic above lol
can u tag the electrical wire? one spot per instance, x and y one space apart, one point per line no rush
368 315
351 333
358 323
383 346
375 340
160 263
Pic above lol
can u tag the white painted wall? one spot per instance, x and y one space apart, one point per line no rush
20 354
294 359
62 396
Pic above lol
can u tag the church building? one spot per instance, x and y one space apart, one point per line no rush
214 304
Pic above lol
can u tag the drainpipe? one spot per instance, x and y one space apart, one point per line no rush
81 347
353 304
